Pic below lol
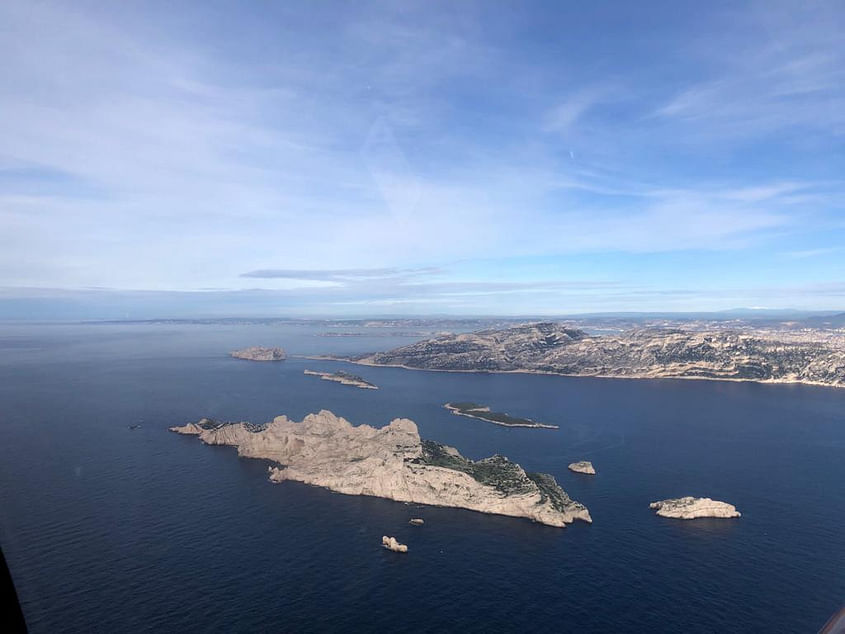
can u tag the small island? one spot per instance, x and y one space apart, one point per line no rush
689 508
259 353
583 466
481 412
392 462
390 543
344 378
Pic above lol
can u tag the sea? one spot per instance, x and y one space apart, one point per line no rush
109 528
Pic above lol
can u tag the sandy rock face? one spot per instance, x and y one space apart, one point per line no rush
689 508
392 462
583 466
258 353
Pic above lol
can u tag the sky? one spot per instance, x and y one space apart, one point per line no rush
210 158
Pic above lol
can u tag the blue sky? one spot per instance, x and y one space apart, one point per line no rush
218 158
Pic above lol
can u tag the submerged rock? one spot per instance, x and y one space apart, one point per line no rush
688 508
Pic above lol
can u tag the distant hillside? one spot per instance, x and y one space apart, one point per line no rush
642 353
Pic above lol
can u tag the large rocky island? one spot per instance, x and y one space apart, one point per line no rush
804 356
259 353
392 462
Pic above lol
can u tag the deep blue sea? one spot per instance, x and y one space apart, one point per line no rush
113 530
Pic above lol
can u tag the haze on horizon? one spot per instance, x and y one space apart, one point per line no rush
180 159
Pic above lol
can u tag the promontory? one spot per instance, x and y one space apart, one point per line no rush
689 508
392 462
258 353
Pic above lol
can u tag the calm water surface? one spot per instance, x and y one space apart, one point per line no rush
107 529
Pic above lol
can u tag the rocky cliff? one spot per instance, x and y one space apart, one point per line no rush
805 357
392 462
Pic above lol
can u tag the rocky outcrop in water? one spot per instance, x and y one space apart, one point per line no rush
803 357
257 353
391 544
392 462
583 466
689 508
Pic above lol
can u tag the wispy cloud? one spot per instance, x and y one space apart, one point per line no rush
339 275
562 117
812 253
791 78
359 150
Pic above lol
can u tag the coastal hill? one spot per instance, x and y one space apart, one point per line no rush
805 356
392 462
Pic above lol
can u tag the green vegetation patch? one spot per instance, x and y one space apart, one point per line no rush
496 471
550 490
351 377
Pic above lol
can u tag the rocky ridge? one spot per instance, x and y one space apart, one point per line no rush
392 462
